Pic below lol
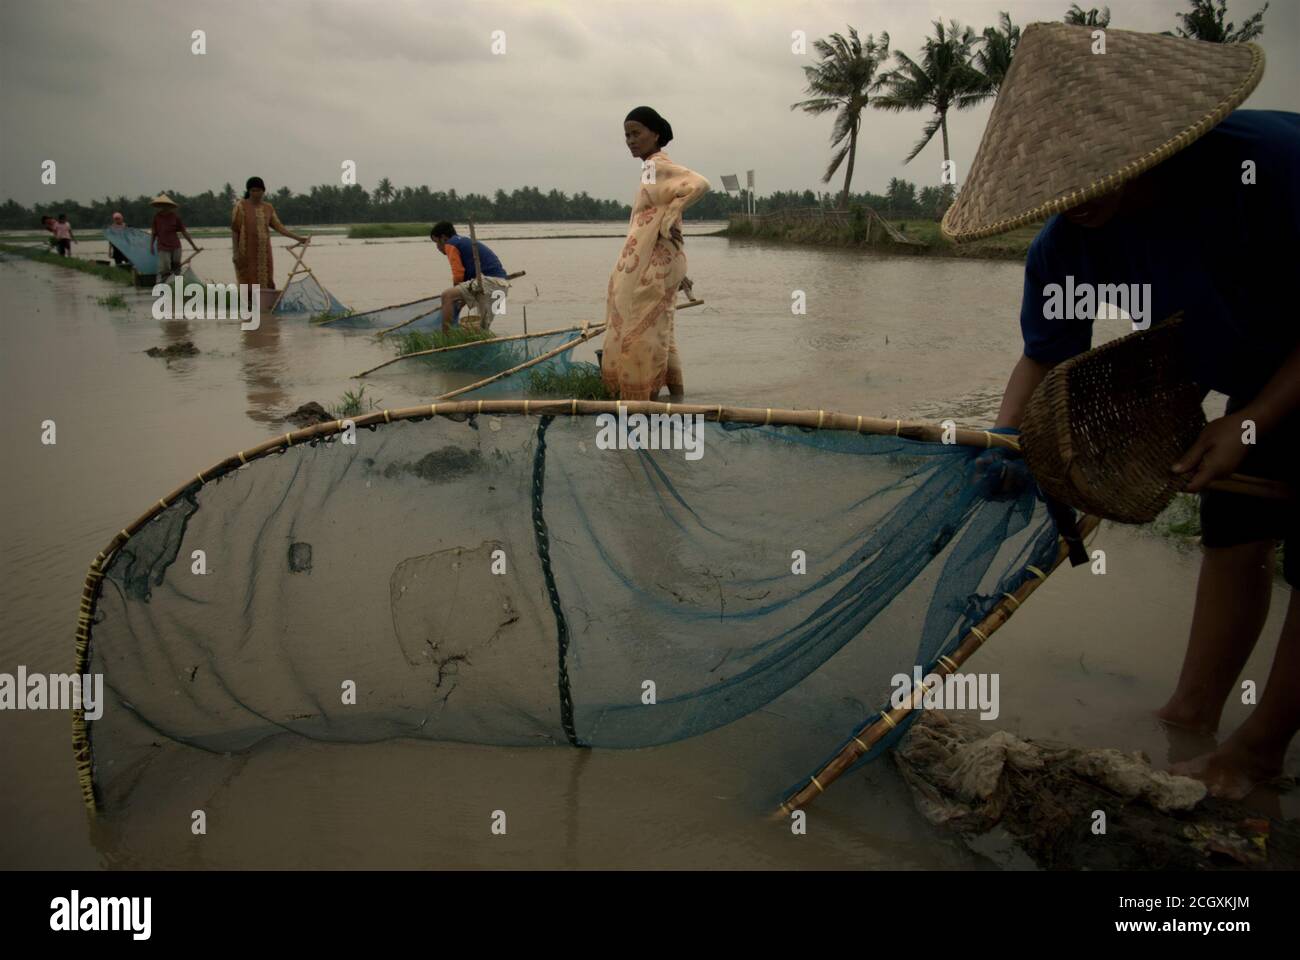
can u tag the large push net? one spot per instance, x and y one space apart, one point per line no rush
474 573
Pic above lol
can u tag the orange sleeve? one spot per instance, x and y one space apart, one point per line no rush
457 267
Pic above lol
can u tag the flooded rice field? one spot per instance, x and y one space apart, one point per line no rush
896 337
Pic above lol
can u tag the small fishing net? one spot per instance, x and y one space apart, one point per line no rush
552 377
305 295
503 578
134 244
460 367
382 318
496 354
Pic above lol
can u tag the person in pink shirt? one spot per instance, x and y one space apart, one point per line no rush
63 237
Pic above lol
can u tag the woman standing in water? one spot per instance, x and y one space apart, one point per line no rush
640 355
250 228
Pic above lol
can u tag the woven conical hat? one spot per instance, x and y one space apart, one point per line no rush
162 200
1070 125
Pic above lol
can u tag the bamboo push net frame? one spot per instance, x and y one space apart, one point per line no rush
811 421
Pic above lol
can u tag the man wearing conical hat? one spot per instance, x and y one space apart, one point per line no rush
165 234
1151 178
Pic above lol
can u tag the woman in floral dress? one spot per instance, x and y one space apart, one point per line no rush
640 355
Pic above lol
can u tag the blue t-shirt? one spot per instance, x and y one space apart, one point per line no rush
1212 246
491 263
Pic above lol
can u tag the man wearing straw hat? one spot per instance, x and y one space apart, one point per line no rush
163 236
1155 186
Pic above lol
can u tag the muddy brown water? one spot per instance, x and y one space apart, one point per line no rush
1085 662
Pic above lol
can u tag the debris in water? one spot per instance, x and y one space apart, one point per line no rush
1046 795
300 557
310 414
183 349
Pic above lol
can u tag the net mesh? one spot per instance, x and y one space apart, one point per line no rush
305 295
494 355
510 579
422 315
134 244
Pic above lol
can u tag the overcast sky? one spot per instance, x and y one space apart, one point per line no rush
411 90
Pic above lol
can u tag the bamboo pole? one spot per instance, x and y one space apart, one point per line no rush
570 345
387 330
812 419
462 346
186 261
1254 487
869 735
516 336
298 264
391 306
484 322
478 267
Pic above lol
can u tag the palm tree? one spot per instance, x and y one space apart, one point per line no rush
1091 18
843 81
384 191
994 58
943 80
1205 22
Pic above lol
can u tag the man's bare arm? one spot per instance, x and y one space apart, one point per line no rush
1219 449
1025 378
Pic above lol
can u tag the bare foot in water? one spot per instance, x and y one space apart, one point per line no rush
1185 719
1231 771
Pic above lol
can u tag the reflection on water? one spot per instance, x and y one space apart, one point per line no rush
262 363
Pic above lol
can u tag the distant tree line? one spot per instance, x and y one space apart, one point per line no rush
328 204
387 204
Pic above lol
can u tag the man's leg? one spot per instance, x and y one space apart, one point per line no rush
1232 597
449 298
1255 750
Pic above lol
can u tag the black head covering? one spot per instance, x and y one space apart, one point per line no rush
253 182
650 119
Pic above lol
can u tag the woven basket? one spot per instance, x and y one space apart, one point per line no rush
1103 428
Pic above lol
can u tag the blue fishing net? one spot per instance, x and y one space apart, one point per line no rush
422 315
487 357
134 244
510 579
306 296
544 379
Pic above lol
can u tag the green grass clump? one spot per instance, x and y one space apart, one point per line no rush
325 316
114 302
113 274
354 404
1180 522
383 231
1013 245
581 381
418 340
1181 519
